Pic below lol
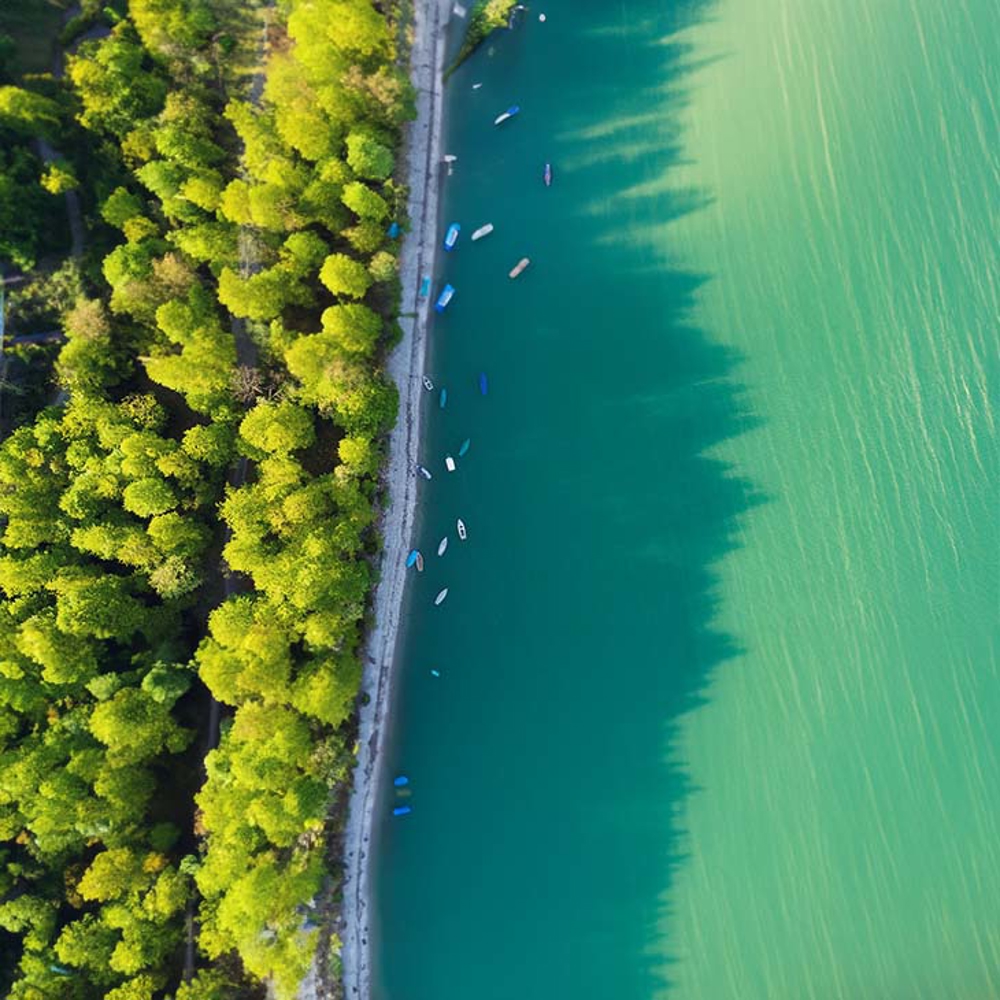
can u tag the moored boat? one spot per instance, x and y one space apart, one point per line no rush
420 562
442 545
443 399
483 386
426 473
519 267
444 298
465 447
460 527
449 463
411 558
509 113
483 231
402 810
451 237
547 174
428 384
425 287
400 780
442 594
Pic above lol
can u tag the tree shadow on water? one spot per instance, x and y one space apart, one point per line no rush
550 878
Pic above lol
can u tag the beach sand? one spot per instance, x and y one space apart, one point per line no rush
406 366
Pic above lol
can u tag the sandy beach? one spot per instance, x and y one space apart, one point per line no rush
406 366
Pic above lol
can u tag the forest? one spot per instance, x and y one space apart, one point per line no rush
196 201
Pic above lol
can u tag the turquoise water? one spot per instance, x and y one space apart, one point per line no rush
718 706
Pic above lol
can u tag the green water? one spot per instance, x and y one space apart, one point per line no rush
719 713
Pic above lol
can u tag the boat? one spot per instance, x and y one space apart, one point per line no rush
519 267
428 384
547 175
482 383
402 810
449 463
509 113
442 594
476 86
460 525
451 237
435 673
425 287
411 558
483 231
393 231
424 472
443 398
401 780
444 298
420 562
465 447
442 545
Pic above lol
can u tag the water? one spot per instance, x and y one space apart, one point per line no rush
718 706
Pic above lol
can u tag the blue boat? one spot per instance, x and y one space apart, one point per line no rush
425 287
402 811
465 447
401 781
482 383
393 231
444 298
509 113
547 174
451 237
412 558
444 397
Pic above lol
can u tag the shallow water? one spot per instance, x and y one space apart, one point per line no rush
718 706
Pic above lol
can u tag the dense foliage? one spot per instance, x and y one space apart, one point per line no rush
192 517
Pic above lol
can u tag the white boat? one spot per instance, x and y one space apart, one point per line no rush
460 525
428 384
442 594
424 472
476 86
519 267
483 231
449 463
442 545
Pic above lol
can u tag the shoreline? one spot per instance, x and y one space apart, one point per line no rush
405 366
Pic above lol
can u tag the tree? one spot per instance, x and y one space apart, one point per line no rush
364 202
28 113
344 276
120 206
147 496
135 728
278 428
115 88
355 329
98 606
368 158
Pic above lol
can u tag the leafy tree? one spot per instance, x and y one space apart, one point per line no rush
277 428
368 158
364 202
355 329
344 276
28 113
116 89
136 728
